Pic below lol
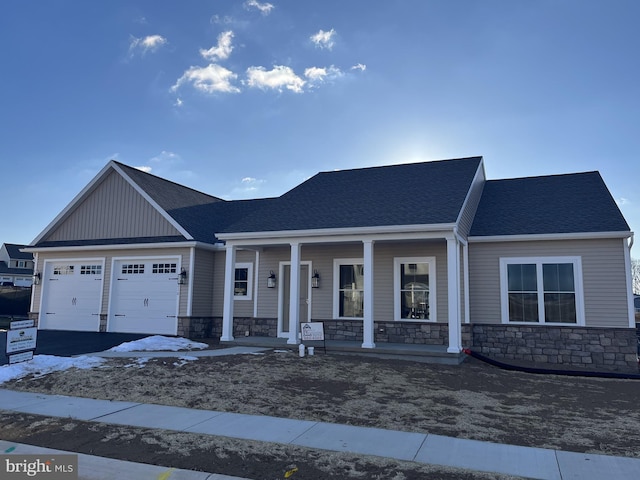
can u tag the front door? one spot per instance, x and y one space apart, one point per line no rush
285 291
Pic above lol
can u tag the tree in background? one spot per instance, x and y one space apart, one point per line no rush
635 275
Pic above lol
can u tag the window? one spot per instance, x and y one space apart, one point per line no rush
133 268
21 264
349 296
242 282
542 290
63 270
90 269
414 288
164 268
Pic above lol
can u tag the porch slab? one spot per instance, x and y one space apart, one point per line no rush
420 353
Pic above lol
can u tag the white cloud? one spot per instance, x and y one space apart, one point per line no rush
265 8
622 201
218 20
178 103
222 50
144 168
277 79
359 66
150 43
324 39
210 79
319 75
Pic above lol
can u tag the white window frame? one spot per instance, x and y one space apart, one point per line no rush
249 267
397 304
337 262
539 261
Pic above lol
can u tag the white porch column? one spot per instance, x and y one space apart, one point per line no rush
465 272
294 295
453 287
367 331
229 280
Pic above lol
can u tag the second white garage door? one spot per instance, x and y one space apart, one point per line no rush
144 296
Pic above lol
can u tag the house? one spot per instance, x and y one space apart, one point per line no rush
428 253
16 267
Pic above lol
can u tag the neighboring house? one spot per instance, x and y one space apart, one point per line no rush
16 267
427 253
636 303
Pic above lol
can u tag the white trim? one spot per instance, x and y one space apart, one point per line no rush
465 267
367 304
34 286
627 266
228 303
125 246
549 236
256 284
431 261
190 277
453 295
479 170
249 267
294 293
319 235
280 286
336 284
539 261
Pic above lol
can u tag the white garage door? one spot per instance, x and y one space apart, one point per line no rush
144 296
71 296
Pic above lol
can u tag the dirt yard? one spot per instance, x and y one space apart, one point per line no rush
473 400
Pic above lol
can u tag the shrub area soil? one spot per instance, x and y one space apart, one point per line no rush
472 400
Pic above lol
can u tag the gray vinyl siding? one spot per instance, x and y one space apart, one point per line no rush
107 256
113 210
471 205
241 308
603 269
203 283
322 259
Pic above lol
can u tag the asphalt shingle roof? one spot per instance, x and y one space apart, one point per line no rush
572 203
410 194
15 254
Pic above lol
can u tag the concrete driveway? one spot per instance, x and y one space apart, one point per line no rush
66 344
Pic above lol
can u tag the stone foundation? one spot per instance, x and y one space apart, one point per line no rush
255 327
199 327
584 347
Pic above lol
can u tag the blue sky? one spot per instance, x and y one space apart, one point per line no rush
246 99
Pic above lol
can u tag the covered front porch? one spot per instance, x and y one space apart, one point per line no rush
370 304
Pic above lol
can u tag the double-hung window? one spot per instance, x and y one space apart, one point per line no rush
414 288
349 294
542 290
242 282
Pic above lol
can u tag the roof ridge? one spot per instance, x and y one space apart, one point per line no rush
180 185
572 174
405 164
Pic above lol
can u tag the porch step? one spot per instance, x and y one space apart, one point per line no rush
418 353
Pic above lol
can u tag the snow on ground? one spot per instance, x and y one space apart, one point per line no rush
44 364
158 343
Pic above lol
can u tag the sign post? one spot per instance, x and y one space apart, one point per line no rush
21 341
314 331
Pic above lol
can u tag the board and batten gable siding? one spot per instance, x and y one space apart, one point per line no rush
603 270
203 283
107 256
473 200
114 209
241 308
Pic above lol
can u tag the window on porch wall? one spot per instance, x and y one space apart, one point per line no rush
351 291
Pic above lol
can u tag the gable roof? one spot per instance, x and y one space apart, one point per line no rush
14 252
408 194
571 203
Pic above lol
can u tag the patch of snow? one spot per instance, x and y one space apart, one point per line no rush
44 364
158 343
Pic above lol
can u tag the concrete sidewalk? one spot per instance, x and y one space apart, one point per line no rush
425 448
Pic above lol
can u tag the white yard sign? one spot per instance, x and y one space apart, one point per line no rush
312 331
21 339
